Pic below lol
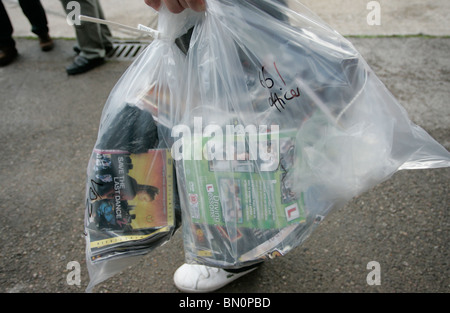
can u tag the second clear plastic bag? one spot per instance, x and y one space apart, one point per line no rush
281 121
132 202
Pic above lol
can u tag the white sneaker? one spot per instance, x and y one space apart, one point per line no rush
201 278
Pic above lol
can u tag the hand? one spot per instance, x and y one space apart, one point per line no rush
177 6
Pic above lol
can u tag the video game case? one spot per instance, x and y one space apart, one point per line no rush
130 200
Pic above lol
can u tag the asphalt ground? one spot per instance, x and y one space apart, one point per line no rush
48 127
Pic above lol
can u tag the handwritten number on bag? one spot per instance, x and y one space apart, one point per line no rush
265 82
93 195
275 99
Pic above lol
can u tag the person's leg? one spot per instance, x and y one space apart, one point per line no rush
6 29
194 277
35 13
89 35
104 31
91 44
201 278
8 50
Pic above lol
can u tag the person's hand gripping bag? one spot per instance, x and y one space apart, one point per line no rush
282 120
132 203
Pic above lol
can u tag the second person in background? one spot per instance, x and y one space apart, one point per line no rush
94 40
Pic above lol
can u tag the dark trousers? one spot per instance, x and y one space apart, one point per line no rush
35 13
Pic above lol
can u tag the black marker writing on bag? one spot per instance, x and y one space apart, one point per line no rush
93 195
275 99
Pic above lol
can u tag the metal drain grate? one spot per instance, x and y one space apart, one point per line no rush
126 50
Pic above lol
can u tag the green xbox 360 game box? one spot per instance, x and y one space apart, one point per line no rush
241 204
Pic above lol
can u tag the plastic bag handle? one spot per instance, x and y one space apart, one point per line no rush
141 29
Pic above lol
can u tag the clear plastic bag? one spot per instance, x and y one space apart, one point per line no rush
132 203
272 119
283 121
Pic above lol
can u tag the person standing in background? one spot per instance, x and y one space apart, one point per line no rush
94 40
35 13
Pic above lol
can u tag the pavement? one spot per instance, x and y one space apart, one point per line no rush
49 123
348 17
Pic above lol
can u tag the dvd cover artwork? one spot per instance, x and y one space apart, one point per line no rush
130 201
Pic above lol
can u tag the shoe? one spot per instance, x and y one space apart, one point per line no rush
82 65
46 43
196 278
7 55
